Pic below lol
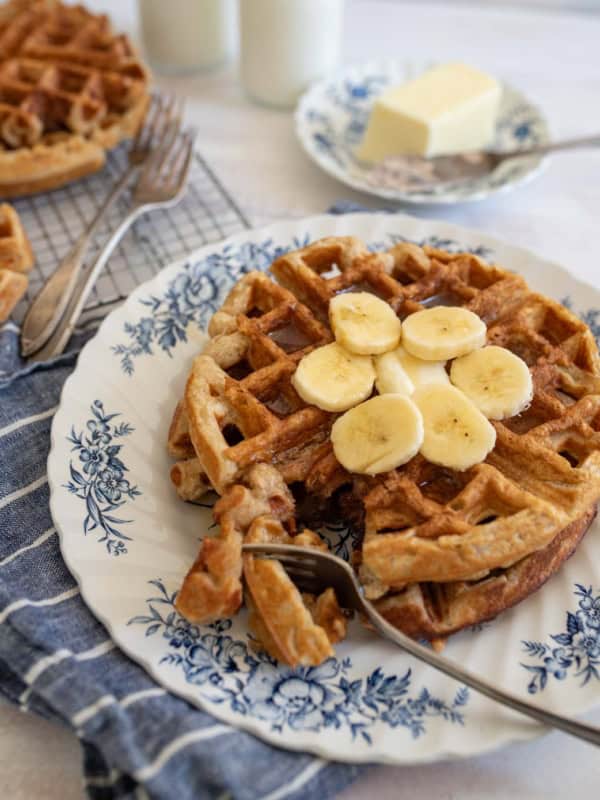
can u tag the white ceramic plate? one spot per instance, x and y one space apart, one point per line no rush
332 116
128 540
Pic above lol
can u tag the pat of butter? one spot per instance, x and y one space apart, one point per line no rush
448 109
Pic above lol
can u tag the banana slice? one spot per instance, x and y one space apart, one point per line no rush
363 323
457 435
442 332
400 373
496 380
334 379
379 435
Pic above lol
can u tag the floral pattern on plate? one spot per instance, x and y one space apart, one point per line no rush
288 710
227 671
99 477
332 117
575 652
199 289
193 297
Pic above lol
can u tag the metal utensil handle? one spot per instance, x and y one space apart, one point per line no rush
553 147
51 301
566 724
58 340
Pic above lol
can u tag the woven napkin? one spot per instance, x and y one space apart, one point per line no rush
58 661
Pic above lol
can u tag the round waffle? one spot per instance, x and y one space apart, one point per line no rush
441 549
70 89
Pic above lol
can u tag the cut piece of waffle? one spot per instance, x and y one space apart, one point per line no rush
69 89
279 616
16 259
441 549
294 628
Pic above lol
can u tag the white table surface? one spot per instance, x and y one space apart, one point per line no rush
554 57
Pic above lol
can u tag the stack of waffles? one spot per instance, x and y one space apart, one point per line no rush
70 88
440 549
16 259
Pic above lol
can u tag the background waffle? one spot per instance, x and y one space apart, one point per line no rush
440 549
70 88
16 259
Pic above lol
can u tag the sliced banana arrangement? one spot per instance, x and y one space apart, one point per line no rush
496 380
363 323
443 332
424 404
334 379
400 372
379 435
457 435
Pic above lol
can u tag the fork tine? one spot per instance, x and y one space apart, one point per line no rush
177 112
301 574
147 122
168 148
152 167
166 187
181 170
305 584
160 124
174 120
289 561
167 105
145 134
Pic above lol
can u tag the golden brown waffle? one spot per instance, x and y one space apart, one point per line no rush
441 549
16 259
70 88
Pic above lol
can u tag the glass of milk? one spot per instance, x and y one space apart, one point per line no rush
287 44
182 36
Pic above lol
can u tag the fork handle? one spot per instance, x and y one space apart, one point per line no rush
50 303
63 331
554 147
581 730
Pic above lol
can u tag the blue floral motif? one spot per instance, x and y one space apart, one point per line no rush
198 290
99 478
226 671
342 540
193 296
578 646
591 317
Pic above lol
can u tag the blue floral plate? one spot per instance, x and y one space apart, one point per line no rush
128 540
332 116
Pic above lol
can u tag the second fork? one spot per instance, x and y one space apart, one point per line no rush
160 185
161 124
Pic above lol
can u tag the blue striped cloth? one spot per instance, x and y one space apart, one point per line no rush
58 661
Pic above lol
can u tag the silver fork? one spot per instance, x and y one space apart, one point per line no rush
410 172
160 185
162 122
313 571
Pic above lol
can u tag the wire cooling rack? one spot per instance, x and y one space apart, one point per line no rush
55 220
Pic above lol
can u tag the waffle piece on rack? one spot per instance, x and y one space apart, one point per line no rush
70 88
16 259
441 549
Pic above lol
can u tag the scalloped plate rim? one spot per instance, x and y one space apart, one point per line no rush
506 734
